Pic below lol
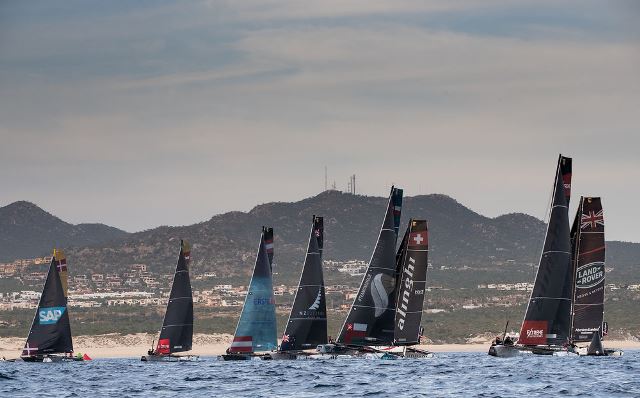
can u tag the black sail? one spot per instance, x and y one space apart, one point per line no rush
50 331
589 268
307 324
371 318
177 328
547 319
413 279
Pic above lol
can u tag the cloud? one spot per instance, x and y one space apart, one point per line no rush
226 105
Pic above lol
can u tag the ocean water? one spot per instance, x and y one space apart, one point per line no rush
448 374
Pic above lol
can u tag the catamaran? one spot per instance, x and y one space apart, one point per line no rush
49 338
383 315
546 324
176 334
588 261
256 333
306 327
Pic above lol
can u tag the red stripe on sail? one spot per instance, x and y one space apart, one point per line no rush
597 249
241 349
243 338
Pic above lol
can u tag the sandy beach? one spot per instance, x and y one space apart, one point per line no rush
135 345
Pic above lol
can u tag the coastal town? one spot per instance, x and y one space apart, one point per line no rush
138 287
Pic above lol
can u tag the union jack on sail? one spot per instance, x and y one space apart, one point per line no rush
591 220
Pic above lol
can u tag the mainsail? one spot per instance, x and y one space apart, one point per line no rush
589 270
256 330
50 331
371 319
547 319
412 283
177 328
307 324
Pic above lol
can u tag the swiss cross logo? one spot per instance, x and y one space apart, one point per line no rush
418 238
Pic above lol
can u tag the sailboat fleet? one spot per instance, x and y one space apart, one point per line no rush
564 314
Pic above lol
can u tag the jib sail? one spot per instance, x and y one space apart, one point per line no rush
177 328
50 331
589 268
307 324
412 283
256 330
371 318
547 319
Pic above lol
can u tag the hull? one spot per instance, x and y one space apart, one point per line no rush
290 355
169 358
608 352
52 358
334 351
506 351
246 357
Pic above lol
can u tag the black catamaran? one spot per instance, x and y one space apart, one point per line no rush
413 257
588 263
307 324
176 334
385 315
256 331
371 318
547 319
49 338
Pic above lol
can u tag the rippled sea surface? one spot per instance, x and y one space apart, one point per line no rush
448 374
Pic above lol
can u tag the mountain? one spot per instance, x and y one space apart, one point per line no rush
226 243
28 231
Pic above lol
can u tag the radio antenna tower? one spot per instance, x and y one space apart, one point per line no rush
326 187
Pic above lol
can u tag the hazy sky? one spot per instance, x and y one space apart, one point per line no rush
144 113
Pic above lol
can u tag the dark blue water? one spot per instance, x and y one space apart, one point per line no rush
452 374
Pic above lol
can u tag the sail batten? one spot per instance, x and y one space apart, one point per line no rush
307 323
371 318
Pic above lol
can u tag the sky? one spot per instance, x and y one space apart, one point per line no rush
147 113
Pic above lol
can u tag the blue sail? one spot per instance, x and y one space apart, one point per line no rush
256 330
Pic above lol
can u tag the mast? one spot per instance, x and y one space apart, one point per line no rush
547 318
371 318
307 324
256 329
589 270
50 331
413 276
176 333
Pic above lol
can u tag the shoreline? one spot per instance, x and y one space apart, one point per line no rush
136 345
